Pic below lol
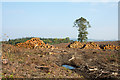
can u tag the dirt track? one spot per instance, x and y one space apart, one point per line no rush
89 63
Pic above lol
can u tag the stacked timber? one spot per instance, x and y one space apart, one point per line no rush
76 44
112 47
34 43
91 45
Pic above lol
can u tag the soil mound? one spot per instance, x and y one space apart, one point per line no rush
34 43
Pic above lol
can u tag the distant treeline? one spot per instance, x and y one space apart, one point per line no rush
45 40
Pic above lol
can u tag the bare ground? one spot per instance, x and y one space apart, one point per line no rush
47 63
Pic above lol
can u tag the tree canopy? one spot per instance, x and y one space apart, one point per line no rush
82 24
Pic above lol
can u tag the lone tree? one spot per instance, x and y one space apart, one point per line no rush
82 24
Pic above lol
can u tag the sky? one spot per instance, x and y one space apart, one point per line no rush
55 19
118 21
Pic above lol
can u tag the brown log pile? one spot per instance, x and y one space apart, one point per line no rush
92 45
76 44
112 47
34 43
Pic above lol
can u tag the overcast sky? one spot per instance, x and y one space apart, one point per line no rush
55 19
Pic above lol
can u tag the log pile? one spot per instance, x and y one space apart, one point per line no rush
34 43
112 47
80 45
91 45
76 44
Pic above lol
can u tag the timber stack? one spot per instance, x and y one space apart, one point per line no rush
76 44
34 43
112 47
91 45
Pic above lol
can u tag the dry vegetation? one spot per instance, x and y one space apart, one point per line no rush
91 60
